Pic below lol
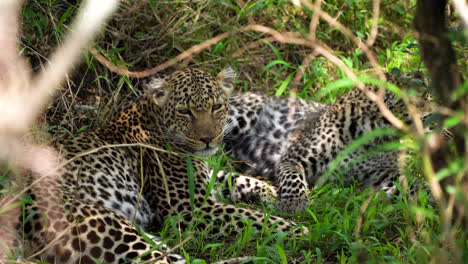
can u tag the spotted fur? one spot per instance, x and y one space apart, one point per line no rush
321 139
260 129
312 137
102 194
245 188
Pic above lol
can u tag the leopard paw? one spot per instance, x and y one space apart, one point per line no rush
176 259
292 205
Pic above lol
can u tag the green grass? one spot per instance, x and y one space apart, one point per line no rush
346 225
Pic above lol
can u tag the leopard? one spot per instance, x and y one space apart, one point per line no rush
295 142
260 126
320 142
258 134
144 166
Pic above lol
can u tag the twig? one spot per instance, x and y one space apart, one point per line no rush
8 35
186 54
53 169
333 22
462 7
22 98
181 243
88 22
375 23
440 60
250 19
305 62
251 45
283 37
315 20
362 210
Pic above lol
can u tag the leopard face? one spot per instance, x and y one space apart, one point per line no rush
104 193
194 108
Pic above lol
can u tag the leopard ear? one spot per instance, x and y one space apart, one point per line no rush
157 89
226 79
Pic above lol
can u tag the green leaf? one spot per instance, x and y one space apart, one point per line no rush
353 146
275 50
282 254
276 62
453 168
452 121
377 82
334 87
5 209
83 128
284 85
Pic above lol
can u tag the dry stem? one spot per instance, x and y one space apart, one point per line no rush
22 98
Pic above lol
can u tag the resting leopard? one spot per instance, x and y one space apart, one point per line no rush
258 134
106 190
294 142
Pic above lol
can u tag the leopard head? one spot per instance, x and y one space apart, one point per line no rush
193 108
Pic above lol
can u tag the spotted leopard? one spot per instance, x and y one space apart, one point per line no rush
134 171
294 142
260 128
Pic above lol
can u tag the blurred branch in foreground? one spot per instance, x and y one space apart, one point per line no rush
23 96
440 60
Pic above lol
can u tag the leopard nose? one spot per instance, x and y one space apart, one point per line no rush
207 138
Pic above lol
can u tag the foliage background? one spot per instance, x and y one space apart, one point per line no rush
349 226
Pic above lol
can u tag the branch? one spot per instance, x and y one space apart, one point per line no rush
439 58
375 23
315 20
22 98
283 37
186 54
361 45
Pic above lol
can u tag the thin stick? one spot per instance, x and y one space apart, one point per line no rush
361 45
284 37
315 20
184 55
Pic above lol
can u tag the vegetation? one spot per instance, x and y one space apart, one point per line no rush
347 225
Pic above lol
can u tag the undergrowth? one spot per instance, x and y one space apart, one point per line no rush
347 225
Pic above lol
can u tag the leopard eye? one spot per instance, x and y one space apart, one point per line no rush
184 111
217 107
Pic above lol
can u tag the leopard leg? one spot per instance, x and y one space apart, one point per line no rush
228 219
390 177
158 242
382 172
96 233
233 218
293 188
241 188
66 229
